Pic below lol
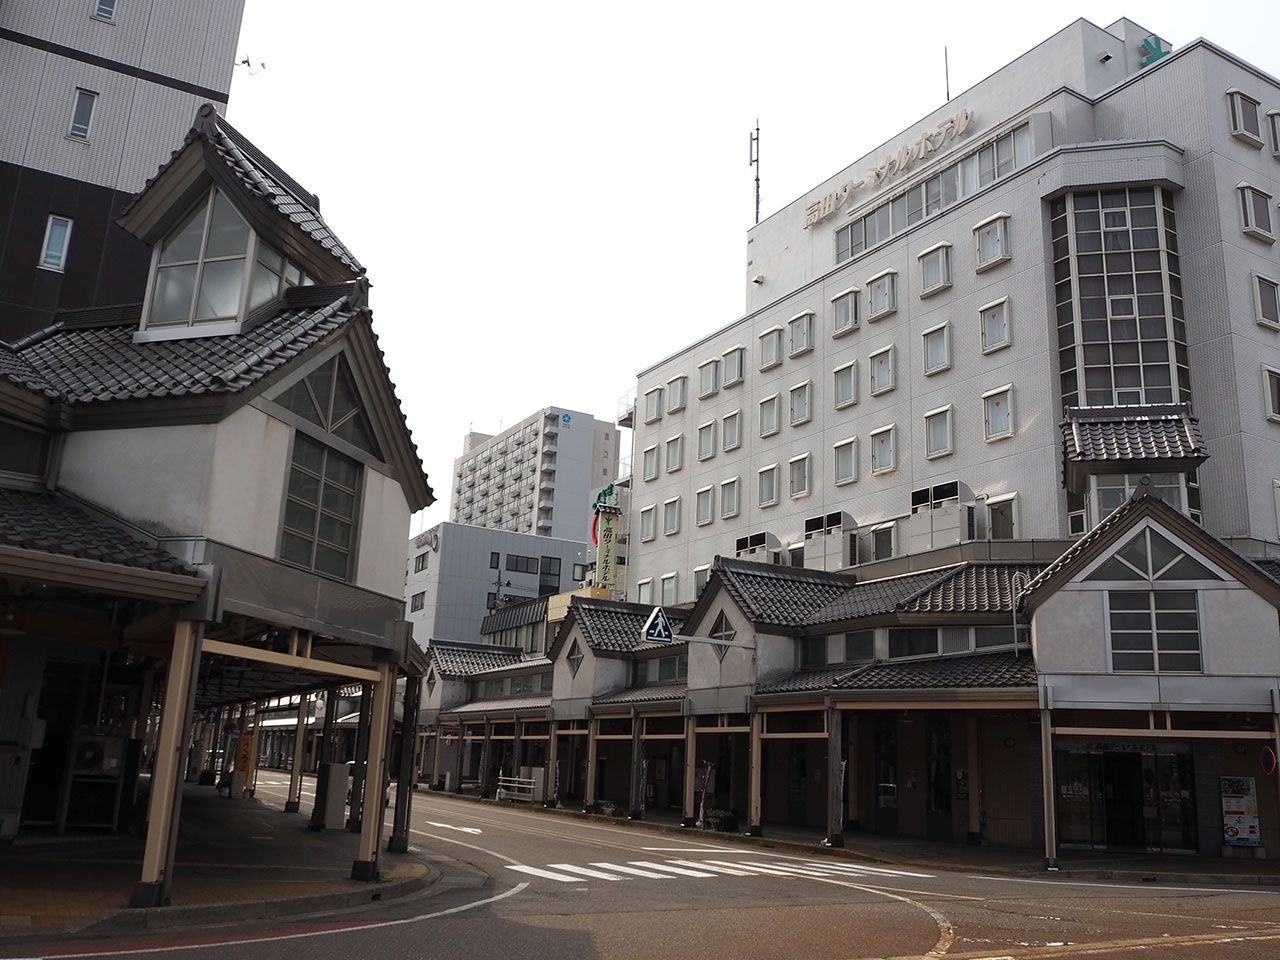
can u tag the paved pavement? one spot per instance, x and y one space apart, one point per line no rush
520 884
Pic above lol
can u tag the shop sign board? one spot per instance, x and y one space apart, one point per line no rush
1239 812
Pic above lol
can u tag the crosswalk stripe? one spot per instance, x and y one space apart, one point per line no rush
585 871
770 871
547 874
704 865
787 868
680 871
866 868
634 871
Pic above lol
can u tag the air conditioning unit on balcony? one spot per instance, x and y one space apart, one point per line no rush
942 526
761 547
830 541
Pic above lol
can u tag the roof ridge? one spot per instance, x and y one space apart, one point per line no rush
783 571
229 375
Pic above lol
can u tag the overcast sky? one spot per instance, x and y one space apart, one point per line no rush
550 196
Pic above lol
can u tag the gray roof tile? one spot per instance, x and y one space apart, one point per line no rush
1004 669
1163 432
982 587
459 661
515 615
475 707
804 681
670 691
770 594
873 598
1268 565
614 627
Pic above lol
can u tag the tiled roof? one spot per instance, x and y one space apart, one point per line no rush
466 661
43 521
771 594
1268 565
15 369
515 615
530 665
499 706
877 597
803 681
671 691
1003 669
1163 432
982 587
614 627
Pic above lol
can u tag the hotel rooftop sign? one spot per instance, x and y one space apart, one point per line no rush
928 143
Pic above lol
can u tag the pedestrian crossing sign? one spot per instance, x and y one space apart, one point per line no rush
657 629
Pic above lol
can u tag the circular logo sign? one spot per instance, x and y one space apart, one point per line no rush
566 419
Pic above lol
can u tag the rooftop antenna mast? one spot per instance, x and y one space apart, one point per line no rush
946 70
753 154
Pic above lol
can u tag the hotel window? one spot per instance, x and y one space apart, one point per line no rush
997 413
700 577
1002 517
1266 301
417 602
731 430
669 581
579 572
320 509
734 361
882 295
769 416
994 318
935 269
420 562
200 267
800 334
881 371
846 385
1246 124
708 378
1273 124
798 476
1271 384
653 405
937 349
770 348
649 462
882 450
768 477
846 308
1154 631
707 440
648 523
82 114
883 537
671 516
846 460
704 506
937 433
799 404
1256 209
677 394
675 453
57 239
644 594
728 498
104 10
991 240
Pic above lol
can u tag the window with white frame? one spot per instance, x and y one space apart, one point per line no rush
81 121
768 480
731 430
845 387
882 295
845 455
671 516
937 349
675 453
845 306
800 334
770 348
997 413
709 378
653 405
1255 207
798 476
991 241
1266 301
881 371
1246 124
649 462
648 523
677 394
769 416
707 440
1002 517
704 503
104 10
728 498
669 591
734 363
1271 385
57 240
882 450
883 540
701 575
935 269
994 319
417 602
644 594
799 404
937 432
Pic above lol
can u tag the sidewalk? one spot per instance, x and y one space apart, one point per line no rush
236 860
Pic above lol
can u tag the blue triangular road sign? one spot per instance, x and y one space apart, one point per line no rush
657 629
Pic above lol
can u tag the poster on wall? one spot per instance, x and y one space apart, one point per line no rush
1239 812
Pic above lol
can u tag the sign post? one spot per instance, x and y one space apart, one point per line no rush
604 533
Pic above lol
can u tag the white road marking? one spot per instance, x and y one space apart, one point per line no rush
1126 886
692 849
786 868
634 871
769 871
585 871
679 871
545 874
450 826
706 865
867 868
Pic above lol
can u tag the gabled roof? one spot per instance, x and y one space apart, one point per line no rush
967 671
613 626
459 661
515 615
771 595
1126 439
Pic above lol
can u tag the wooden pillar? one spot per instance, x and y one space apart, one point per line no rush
435 759
294 801
851 777
754 825
365 866
359 770
1050 798
687 812
835 780
255 746
398 842
593 750
973 733
515 748
165 805
550 794
637 765
324 757
485 758
461 756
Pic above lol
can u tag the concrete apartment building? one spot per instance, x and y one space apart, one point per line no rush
537 476
987 328
93 98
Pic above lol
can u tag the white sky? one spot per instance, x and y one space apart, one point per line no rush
550 196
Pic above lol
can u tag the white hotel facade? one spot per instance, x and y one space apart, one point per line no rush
988 328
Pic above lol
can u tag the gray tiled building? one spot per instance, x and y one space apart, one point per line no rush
989 327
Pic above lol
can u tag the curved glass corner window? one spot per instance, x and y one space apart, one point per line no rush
200 266
320 509
328 397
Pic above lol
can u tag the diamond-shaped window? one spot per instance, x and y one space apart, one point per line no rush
575 658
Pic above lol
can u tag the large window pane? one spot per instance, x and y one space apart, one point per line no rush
172 300
228 234
220 289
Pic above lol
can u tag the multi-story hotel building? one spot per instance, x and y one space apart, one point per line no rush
536 477
989 327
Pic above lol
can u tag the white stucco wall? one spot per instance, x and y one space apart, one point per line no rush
247 481
384 523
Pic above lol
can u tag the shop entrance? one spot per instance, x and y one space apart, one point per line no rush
1123 800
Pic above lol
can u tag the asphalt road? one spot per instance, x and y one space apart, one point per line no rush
519 885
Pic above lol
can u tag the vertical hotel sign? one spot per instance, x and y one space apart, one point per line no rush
604 533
